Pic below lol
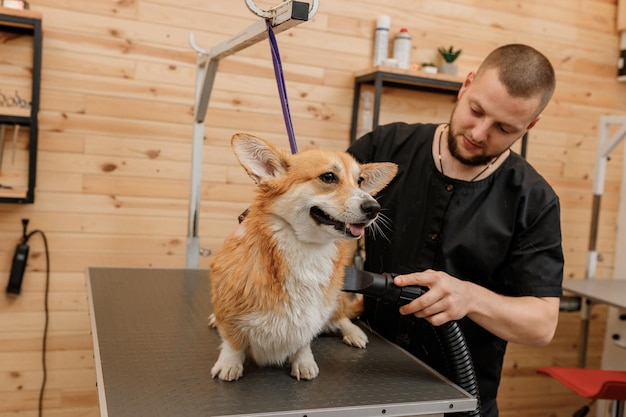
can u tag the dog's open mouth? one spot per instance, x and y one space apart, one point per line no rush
353 230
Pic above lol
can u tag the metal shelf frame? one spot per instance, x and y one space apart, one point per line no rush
28 23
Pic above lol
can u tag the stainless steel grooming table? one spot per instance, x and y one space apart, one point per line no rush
154 353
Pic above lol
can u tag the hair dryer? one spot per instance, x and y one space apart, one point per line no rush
453 342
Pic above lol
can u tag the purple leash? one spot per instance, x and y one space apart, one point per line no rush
282 90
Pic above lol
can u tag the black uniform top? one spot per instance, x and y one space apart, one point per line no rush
502 232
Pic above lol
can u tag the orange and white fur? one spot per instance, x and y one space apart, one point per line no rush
276 283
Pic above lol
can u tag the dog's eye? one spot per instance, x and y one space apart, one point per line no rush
360 180
328 177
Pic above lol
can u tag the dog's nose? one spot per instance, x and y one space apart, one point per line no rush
370 208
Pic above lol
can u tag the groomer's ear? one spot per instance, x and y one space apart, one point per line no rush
533 123
469 78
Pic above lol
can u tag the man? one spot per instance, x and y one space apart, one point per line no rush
472 221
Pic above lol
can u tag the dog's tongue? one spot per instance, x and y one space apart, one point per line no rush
357 229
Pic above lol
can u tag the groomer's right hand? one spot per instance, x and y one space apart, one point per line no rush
448 298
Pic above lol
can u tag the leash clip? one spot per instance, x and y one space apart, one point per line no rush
269 14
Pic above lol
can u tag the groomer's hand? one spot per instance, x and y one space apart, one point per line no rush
526 320
447 298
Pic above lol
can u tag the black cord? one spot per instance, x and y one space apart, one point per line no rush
584 410
47 316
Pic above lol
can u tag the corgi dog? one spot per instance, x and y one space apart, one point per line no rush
277 282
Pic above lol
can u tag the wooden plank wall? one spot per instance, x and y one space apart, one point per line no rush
114 152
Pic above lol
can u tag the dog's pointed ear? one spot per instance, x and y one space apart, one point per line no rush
377 175
259 158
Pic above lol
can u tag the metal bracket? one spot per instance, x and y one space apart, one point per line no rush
282 17
271 13
195 47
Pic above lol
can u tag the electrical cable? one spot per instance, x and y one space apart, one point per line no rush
584 410
25 239
44 342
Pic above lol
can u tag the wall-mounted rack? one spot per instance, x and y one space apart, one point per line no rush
18 111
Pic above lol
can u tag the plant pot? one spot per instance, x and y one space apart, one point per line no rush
448 68
429 70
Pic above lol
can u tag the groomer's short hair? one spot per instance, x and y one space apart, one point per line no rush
523 70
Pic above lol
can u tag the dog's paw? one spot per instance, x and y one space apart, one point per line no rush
303 364
227 371
212 322
304 370
352 334
356 339
229 365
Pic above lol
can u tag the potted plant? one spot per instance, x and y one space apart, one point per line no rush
449 56
429 68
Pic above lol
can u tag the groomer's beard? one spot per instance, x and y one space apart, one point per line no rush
453 147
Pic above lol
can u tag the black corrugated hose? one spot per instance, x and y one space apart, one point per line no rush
451 339
459 360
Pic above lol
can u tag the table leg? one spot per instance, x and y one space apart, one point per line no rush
585 306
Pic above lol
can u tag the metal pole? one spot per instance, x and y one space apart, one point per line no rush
605 147
282 17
